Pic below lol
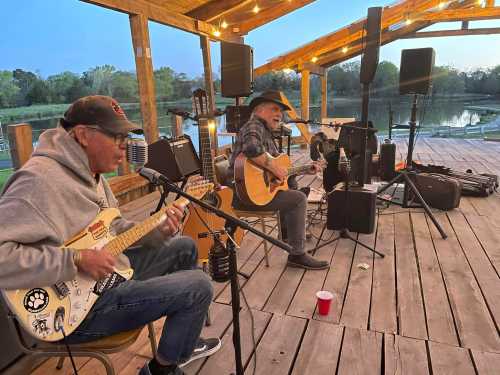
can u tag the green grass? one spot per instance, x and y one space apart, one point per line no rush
4 175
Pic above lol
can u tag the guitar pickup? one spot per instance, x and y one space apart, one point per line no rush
61 289
207 234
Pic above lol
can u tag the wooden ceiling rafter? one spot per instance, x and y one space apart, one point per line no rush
332 44
216 9
164 16
471 14
458 32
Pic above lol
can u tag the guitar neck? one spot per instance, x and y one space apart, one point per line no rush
127 238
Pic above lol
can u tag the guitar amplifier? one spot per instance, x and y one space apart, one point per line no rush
354 210
175 158
387 160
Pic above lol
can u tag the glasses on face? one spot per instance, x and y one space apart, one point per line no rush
119 139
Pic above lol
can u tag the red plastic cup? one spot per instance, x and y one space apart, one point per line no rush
324 301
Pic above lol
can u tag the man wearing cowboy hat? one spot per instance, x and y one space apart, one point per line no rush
255 141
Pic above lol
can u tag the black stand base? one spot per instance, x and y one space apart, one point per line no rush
409 185
343 233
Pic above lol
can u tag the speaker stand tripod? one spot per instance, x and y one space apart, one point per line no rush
406 175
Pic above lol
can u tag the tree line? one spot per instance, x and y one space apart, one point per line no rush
25 88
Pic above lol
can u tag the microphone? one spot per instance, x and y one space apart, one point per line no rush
153 176
179 112
218 262
297 121
137 152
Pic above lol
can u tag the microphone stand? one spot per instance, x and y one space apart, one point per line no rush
231 224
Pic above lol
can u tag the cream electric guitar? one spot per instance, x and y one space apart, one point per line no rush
43 311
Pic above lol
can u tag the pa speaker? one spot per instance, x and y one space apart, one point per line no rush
369 60
175 158
236 70
415 72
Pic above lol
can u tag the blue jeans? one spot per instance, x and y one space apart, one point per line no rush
166 283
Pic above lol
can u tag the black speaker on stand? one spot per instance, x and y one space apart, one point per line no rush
236 70
415 79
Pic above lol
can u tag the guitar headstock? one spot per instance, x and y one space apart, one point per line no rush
200 103
199 188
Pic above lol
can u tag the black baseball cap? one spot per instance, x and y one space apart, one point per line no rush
100 110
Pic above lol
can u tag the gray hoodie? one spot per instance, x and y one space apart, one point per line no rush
44 204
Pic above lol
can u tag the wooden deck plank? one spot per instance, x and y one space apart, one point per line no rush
409 296
475 327
447 359
356 310
320 349
304 301
223 361
284 291
279 345
383 317
338 277
483 270
486 363
361 353
404 356
439 318
487 231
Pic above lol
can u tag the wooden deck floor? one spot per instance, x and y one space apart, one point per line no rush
431 306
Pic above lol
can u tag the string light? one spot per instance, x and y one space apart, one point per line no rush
314 59
211 125
216 33
345 49
287 70
256 9
408 21
224 25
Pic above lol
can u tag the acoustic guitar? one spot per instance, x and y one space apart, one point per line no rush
221 197
258 186
43 310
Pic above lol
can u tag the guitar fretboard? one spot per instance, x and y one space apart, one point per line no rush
120 243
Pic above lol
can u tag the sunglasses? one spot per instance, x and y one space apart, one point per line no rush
119 139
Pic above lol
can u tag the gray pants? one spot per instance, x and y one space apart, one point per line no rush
292 205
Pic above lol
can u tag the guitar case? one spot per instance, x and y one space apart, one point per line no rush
439 191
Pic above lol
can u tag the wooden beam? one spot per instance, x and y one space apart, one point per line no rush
304 94
324 96
344 36
214 9
352 34
21 143
145 78
432 34
164 16
269 14
470 14
313 68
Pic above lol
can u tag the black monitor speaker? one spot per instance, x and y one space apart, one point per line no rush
175 158
415 72
369 60
236 70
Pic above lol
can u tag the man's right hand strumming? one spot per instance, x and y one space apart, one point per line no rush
96 264
279 173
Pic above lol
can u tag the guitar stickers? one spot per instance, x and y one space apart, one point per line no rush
40 324
36 300
98 230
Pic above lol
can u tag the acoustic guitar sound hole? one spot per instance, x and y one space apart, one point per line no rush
212 199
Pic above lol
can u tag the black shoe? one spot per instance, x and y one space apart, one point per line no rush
152 367
307 262
203 348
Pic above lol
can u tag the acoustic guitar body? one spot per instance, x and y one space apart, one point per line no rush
256 185
194 225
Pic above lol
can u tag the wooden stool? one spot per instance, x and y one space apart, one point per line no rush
261 215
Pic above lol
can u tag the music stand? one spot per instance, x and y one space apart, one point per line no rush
405 175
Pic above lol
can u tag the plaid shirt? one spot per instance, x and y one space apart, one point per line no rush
253 139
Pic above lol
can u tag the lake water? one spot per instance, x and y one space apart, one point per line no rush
430 114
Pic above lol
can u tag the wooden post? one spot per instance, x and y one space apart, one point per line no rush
324 96
21 143
304 92
144 69
177 128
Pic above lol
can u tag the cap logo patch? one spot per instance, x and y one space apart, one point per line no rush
117 109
